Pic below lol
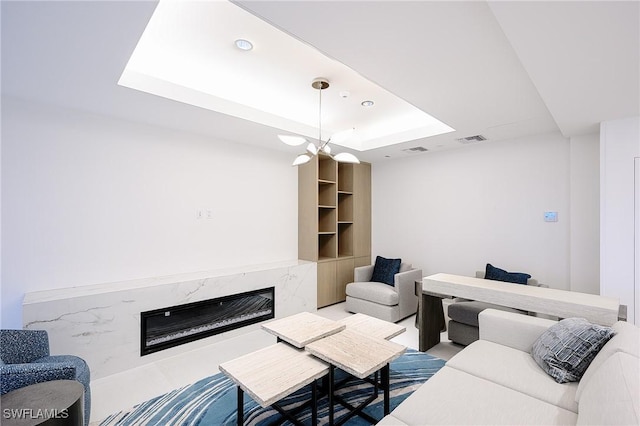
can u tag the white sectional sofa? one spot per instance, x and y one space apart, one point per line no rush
495 380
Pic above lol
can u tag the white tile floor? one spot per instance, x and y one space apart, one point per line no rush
124 390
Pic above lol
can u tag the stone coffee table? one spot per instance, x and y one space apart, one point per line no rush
272 373
372 327
302 328
359 355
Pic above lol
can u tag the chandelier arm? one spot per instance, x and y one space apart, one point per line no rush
322 146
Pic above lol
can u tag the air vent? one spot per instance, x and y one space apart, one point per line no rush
472 139
416 149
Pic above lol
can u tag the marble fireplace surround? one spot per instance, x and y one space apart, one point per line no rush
101 323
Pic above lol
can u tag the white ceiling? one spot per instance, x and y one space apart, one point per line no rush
500 69
187 53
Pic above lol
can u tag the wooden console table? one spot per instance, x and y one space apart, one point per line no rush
561 303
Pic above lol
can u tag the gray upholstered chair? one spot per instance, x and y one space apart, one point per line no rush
462 315
25 360
388 302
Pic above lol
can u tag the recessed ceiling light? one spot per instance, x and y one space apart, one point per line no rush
367 104
243 44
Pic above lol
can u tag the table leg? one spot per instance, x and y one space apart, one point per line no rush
330 393
314 403
431 321
240 414
385 384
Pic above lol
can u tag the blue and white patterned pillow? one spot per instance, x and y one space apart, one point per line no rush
567 348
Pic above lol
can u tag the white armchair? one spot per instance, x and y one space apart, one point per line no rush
387 302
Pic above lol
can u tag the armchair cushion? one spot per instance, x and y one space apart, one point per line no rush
374 292
497 274
385 269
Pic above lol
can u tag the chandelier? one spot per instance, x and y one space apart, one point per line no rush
316 147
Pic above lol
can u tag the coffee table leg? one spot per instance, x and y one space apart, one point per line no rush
314 403
385 384
330 394
240 414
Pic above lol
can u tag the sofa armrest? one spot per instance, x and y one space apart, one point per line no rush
363 273
510 329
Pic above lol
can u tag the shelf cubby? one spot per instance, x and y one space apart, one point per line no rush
326 194
326 219
345 239
345 207
327 168
327 246
345 177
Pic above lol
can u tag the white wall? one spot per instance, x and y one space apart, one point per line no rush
454 211
619 146
584 238
88 199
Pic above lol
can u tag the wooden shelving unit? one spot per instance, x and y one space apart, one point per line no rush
334 222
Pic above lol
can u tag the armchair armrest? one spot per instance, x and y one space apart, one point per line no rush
363 273
405 285
510 329
407 278
15 376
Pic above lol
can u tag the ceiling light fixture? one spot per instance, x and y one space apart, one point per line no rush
315 148
243 44
367 104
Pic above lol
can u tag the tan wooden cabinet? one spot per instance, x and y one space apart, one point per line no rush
334 222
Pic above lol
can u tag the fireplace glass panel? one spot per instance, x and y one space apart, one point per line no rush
176 325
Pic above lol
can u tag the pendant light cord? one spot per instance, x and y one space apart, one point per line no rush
320 120
321 144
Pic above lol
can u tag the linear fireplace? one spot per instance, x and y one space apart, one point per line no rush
176 325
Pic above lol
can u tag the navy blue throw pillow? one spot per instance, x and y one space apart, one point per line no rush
384 270
497 274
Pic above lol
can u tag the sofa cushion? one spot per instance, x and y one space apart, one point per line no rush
373 292
567 348
611 396
454 397
385 269
516 370
467 312
627 340
497 274
462 334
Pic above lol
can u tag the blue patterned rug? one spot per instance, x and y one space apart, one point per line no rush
212 400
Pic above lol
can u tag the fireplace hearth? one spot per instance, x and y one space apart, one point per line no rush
172 326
